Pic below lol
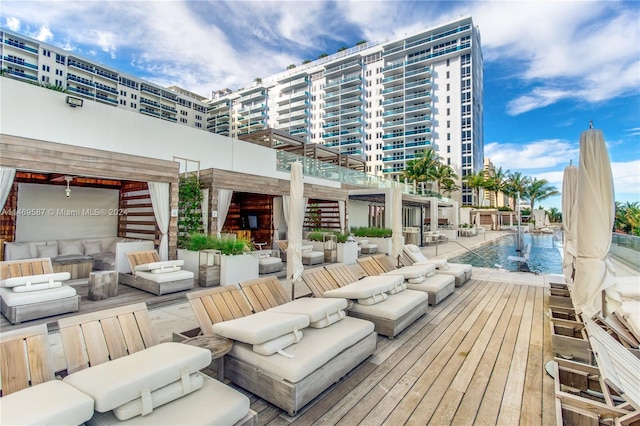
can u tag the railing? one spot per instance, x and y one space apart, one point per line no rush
626 248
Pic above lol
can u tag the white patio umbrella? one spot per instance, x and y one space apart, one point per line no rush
596 213
569 221
296 218
396 222
478 220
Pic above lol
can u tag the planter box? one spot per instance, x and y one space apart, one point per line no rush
348 252
238 268
205 265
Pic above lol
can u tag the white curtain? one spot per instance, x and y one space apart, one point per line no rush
224 201
277 215
343 216
286 201
204 208
159 192
6 182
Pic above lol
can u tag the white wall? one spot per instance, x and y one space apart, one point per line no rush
45 213
358 213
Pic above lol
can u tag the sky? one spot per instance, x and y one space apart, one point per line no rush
550 67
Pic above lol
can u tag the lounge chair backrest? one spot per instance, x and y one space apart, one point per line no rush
387 263
405 260
283 245
370 266
341 274
25 267
264 293
136 258
319 280
218 304
25 357
97 337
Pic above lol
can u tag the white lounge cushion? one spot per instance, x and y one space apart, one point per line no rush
316 348
433 284
328 320
214 404
36 287
414 253
166 277
395 306
35 279
49 403
165 264
117 382
413 271
315 309
466 267
454 272
417 280
261 327
365 288
629 288
12 298
269 260
159 397
630 311
272 346
402 286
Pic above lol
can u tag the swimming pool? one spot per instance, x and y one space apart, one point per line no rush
545 255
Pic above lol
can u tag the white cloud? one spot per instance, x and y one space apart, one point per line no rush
13 23
536 155
106 41
44 34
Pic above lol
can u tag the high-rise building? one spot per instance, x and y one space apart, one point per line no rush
387 102
30 60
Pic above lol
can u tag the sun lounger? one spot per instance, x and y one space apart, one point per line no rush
411 255
380 300
30 393
29 290
113 356
150 274
276 355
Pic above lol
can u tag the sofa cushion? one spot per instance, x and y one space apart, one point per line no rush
119 381
17 251
159 397
261 327
69 247
215 404
35 279
92 247
49 403
48 250
12 298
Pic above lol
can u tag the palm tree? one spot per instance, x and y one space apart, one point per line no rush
498 178
515 184
443 173
554 214
475 181
539 189
422 168
633 219
449 186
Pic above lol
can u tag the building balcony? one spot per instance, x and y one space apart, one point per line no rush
349 66
298 82
106 74
396 100
20 45
149 102
81 91
106 88
80 80
21 74
151 90
398 88
393 147
20 61
168 108
150 111
354 79
103 98
344 112
393 112
75 64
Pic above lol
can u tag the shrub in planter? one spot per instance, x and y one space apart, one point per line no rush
316 236
228 246
372 232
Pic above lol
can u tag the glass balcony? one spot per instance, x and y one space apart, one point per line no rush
20 45
21 74
80 65
20 61
392 147
342 67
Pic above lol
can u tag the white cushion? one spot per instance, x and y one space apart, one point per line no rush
117 382
315 309
165 264
109 244
466 267
373 299
261 327
269 260
453 271
395 306
49 403
12 298
306 249
412 248
433 284
366 287
629 288
49 250
315 350
35 279
272 346
418 280
398 288
166 277
17 251
413 271
630 311
92 247
66 247
215 404
36 287
328 320
159 397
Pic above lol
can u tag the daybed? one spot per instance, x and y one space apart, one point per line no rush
411 255
113 356
364 247
268 261
277 355
29 289
383 300
30 393
151 274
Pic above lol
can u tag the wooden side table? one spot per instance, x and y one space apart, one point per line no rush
218 346
103 284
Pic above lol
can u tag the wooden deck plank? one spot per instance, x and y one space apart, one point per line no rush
531 412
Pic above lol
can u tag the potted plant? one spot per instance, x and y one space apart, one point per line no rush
379 236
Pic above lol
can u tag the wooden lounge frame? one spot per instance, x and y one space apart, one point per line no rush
31 311
229 302
132 280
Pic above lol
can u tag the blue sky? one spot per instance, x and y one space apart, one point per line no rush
550 66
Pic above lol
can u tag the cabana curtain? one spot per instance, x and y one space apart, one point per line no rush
224 201
6 181
342 213
159 193
285 207
277 214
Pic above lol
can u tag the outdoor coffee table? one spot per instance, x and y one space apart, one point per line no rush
218 346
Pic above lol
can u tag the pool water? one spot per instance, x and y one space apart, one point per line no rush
545 255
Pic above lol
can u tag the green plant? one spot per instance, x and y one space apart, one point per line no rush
316 236
228 246
341 238
372 232
505 209
189 208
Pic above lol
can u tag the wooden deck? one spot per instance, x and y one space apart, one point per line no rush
476 358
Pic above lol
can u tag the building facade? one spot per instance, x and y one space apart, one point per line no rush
387 102
30 60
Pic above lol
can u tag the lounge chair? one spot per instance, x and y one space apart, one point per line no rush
276 355
113 356
309 256
370 297
30 393
29 290
411 255
150 274
269 261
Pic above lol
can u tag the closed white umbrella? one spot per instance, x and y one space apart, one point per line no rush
296 218
596 213
396 222
569 221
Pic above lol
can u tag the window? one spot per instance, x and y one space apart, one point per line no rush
448 146
448 99
45 79
198 124
448 87
46 53
447 62
448 137
123 102
60 59
448 75
45 68
448 124
134 96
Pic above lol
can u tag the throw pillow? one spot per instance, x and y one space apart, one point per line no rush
92 247
70 247
17 251
49 250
